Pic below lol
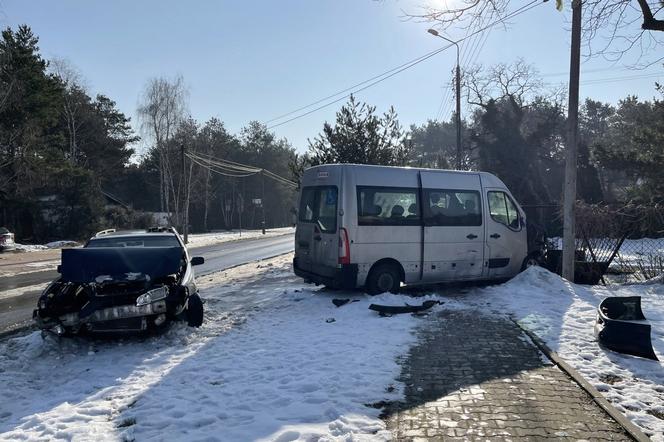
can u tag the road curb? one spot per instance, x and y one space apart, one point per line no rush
631 429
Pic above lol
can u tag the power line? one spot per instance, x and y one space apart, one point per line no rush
471 56
361 89
235 170
612 79
227 163
394 71
351 87
215 170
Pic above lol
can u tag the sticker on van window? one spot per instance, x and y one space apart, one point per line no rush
323 174
331 197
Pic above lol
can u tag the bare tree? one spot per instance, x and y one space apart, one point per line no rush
615 22
518 81
162 108
72 107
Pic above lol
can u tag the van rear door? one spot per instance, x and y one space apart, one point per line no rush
316 237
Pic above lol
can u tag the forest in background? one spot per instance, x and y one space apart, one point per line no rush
65 153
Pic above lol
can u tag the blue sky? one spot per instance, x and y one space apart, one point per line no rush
255 60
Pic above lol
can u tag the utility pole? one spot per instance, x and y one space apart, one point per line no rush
569 212
458 111
458 96
263 200
185 192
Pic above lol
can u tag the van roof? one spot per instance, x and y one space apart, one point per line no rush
490 179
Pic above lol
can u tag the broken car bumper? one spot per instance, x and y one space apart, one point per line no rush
119 318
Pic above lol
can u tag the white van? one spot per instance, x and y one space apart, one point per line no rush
376 227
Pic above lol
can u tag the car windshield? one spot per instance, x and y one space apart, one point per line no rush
135 241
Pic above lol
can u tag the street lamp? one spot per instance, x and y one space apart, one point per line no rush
458 95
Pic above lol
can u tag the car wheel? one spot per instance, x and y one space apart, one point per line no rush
383 278
194 311
530 261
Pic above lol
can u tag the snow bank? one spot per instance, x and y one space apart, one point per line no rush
274 361
62 244
204 239
51 245
29 247
563 315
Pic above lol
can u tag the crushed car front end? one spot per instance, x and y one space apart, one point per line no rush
104 290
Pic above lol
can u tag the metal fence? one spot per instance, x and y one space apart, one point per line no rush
615 243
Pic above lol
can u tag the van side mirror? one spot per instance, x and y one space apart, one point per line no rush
58 268
197 260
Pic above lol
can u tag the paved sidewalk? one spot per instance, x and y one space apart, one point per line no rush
480 378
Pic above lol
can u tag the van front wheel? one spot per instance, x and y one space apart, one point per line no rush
383 278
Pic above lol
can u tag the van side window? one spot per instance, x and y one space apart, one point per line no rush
452 207
319 205
503 210
387 206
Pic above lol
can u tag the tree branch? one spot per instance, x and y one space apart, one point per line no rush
650 23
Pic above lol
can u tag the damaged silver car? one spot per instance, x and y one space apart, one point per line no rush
122 282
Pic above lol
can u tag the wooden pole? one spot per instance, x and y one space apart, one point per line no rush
569 233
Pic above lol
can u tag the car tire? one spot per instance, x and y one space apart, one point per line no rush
531 261
194 311
383 278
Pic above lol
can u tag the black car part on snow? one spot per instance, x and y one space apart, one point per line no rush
397 309
622 327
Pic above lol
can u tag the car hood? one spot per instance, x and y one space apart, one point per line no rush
88 265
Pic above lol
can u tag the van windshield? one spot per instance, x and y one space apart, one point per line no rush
319 205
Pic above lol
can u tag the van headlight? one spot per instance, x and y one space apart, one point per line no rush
152 296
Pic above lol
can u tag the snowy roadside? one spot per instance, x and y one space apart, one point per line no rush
49 246
563 315
206 239
195 239
274 361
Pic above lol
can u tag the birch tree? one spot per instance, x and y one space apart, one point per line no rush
73 104
163 106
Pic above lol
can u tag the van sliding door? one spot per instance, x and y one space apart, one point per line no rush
453 226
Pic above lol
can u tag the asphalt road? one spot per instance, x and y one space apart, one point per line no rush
16 311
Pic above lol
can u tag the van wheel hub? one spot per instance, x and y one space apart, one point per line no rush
385 282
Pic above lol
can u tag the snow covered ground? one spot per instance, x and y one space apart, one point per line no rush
274 361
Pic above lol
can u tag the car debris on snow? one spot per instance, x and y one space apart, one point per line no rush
387 310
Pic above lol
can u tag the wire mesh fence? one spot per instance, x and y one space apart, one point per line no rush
614 243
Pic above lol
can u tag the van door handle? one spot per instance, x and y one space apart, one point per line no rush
303 244
471 236
317 237
495 235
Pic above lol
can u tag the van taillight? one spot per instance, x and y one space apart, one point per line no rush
344 247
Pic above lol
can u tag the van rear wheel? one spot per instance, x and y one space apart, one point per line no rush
383 278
